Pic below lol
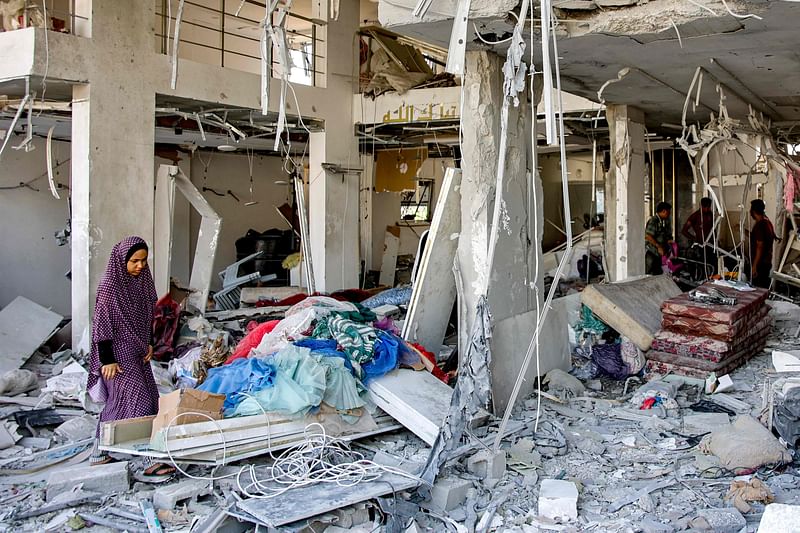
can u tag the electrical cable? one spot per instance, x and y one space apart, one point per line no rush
26 184
320 458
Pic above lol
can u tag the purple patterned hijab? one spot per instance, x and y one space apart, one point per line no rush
123 313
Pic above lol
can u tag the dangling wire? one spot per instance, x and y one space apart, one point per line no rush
253 200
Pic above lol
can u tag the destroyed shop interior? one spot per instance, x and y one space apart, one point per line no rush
400 266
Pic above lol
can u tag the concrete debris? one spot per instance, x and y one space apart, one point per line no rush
15 382
780 518
563 385
449 492
702 423
728 520
78 428
558 499
488 466
108 479
169 496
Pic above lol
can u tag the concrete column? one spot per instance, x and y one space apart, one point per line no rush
483 97
334 198
624 199
509 287
112 152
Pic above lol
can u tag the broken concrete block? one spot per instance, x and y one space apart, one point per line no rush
704 422
169 496
563 385
649 525
107 479
77 428
581 5
558 499
780 518
449 492
487 465
616 3
727 520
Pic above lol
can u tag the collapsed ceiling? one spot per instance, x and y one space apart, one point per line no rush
748 49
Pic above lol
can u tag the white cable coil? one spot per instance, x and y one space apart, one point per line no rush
321 458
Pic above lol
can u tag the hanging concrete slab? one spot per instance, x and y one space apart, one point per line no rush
632 307
24 326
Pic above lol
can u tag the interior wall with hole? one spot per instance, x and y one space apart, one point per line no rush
386 210
230 171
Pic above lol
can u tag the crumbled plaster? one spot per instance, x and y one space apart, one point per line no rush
398 12
651 16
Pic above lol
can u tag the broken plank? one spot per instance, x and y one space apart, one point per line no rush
391 247
79 499
126 430
632 307
24 326
435 287
304 502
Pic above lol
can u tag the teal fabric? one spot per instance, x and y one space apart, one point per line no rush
299 385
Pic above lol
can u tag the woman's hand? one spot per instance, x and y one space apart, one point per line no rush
149 354
110 371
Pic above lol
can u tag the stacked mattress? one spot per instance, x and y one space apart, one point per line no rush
696 338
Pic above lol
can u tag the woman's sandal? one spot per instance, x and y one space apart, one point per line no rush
159 470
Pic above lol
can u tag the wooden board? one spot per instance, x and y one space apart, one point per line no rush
633 307
435 287
391 247
417 400
24 326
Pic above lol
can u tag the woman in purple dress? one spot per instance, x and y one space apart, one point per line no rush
120 373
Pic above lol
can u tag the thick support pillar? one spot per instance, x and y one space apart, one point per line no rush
511 284
112 154
625 213
333 197
483 97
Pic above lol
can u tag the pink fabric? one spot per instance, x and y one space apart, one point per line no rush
251 340
124 314
747 304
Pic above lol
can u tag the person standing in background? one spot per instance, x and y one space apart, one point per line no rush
762 239
658 238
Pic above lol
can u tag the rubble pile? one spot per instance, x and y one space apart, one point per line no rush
622 451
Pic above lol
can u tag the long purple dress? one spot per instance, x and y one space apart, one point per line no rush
124 314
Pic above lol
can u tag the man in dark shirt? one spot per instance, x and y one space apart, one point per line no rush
697 229
700 222
762 238
658 237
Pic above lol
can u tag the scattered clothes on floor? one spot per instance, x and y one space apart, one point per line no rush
356 339
252 340
608 359
298 385
166 319
248 376
395 296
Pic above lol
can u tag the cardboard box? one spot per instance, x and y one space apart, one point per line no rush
187 401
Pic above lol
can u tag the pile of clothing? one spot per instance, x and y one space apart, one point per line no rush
700 337
324 351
